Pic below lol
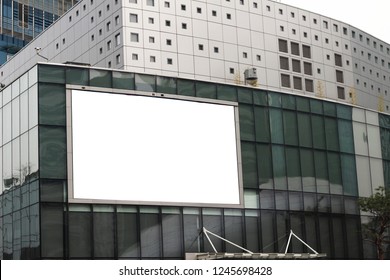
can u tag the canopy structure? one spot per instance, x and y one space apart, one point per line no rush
247 255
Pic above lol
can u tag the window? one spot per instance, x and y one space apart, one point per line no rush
92 19
167 4
285 79
339 76
258 57
325 24
151 39
353 34
306 51
280 12
368 41
346 46
231 70
245 55
216 49
116 20
169 61
63 41
318 71
108 26
57 46
109 45
228 16
134 37
316 37
326 41
284 63
108 7
101 50
303 17
134 56
184 25
296 65
283 45
199 10
345 31
200 47
133 1
152 58
151 20
183 7
241 2
307 68
117 39
268 8
70 18
338 60
309 85
255 5
305 34
100 32
335 27
133 18
118 59
337 43
282 28
92 37
340 93
100 13
169 42
214 13
150 2
292 14
294 48
167 23
314 20
297 83
327 57
294 31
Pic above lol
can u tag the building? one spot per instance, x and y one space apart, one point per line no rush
312 132
21 21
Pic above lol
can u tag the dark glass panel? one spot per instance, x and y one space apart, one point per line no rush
262 124
166 85
247 123
288 101
52 104
103 235
123 80
296 201
51 74
290 128
16 235
260 98
325 235
52 152
344 112
145 82
353 230
318 129
331 132
100 78
334 167
7 237
303 104
206 90
330 109
226 92
52 190
267 232
244 95
52 228
348 168
384 121
338 237
264 166
282 230
212 221
293 169
252 230
150 235
345 132
351 205
249 167
316 106
128 245
267 200
80 235
25 212
34 192
321 168
304 130
34 232
233 230
274 99
323 203
296 246
385 139
279 167
337 204
172 238
276 125
310 202
192 227
186 87
281 200
77 76
311 233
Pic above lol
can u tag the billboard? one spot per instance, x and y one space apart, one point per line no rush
152 150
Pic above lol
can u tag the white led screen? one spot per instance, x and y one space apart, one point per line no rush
153 150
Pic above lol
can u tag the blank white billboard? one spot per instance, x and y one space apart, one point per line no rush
153 150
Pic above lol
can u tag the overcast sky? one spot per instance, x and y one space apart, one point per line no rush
370 16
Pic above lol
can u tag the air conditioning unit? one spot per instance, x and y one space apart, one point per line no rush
250 74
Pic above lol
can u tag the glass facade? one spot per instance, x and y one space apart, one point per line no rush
305 163
21 21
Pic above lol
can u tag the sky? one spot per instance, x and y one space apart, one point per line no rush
369 16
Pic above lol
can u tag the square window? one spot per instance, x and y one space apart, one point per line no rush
150 2
109 45
340 93
169 42
284 64
228 16
242 2
214 13
151 39
134 56
255 5
245 55
294 31
305 34
152 59
183 7
268 8
316 37
280 12
151 20
292 14
258 57
118 59
200 47
199 10
285 79
282 28
167 4
184 25
297 83
296 65
231 70
167 23
133 18
134 37
304 18
216 49
283 45
108 26
169 61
